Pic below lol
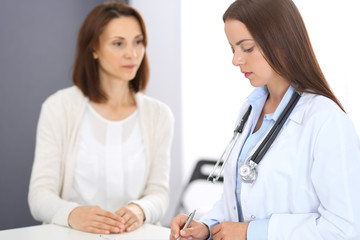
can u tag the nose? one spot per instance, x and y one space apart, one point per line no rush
130 52
238 59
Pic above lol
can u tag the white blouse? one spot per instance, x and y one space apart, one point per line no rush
110 166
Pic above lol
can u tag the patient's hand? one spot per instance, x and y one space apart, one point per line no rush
94 219
133 216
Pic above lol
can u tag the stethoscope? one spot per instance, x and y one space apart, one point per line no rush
247 171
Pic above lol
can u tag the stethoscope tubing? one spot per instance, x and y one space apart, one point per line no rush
225 156
263 147
270 137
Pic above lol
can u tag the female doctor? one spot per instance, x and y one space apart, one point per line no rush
302 183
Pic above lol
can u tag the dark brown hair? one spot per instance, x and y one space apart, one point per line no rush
279 30
86 69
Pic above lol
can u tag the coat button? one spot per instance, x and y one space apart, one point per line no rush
234 208
253 217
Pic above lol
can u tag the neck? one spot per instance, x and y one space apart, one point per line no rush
277 92
118 92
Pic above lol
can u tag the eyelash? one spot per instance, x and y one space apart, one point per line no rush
244 50
248 50
141 41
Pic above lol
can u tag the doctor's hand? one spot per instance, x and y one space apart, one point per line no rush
133 216
195 231
230 231
94 219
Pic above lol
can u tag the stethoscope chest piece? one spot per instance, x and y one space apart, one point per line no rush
248 172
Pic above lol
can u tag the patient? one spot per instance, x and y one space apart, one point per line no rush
102 156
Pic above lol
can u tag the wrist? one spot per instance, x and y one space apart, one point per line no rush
206 230
69 220
140 211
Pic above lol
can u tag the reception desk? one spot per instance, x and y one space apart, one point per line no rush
55 232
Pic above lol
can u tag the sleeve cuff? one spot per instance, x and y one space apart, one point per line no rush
145 207
62 215
210 223
258 230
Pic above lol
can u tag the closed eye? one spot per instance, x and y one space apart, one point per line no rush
248 49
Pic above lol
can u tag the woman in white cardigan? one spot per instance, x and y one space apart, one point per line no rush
102 155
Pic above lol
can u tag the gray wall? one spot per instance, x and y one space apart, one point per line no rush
37 42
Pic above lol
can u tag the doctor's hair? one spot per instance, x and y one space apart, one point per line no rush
279 30
86 68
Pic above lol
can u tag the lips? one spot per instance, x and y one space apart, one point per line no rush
129 66
247 74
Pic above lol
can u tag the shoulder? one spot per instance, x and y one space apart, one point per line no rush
318 109
65 101
152 106
64 95
67 96
320 105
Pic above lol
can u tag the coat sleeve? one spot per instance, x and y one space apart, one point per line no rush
47 172
155 198
335 174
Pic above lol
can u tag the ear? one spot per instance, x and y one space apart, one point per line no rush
95 55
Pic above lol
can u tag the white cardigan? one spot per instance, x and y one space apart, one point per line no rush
56 151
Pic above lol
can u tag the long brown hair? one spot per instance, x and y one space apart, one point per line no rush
86 69
279 30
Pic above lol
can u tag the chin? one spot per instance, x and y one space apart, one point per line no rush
129 77
256 83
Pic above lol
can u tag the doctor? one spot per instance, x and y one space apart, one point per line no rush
307 184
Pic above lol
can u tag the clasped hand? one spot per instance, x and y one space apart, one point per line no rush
94 219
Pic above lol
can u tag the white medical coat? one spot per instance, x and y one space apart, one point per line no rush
308 183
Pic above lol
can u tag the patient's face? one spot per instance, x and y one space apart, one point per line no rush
121 49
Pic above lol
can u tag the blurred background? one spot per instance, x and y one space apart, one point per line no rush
191 71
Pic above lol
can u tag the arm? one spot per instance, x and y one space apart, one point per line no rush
48 170
155 196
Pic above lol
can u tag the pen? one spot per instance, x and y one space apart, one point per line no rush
188 220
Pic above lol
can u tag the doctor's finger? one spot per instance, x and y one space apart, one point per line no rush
176 224
216 229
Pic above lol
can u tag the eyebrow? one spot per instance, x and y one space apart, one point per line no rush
241 41
137 36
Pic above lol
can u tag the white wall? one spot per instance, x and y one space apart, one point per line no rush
213 89
334 31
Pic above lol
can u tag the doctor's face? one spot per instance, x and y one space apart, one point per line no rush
247 55
121 49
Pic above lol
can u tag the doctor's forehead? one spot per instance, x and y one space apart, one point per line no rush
237 32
